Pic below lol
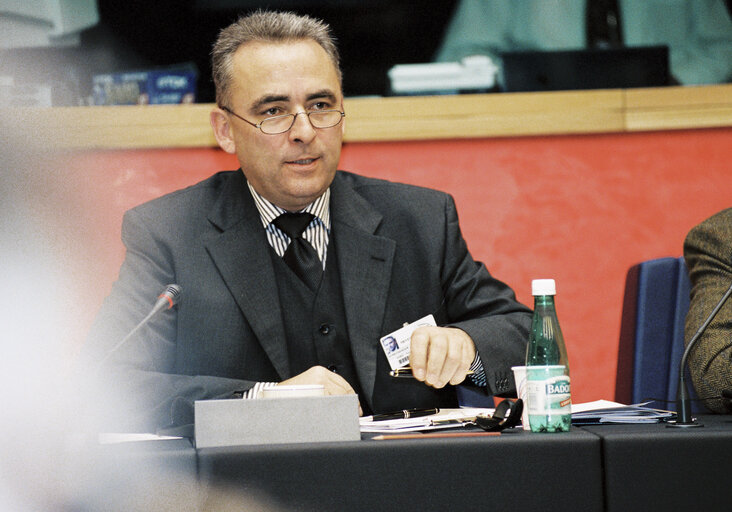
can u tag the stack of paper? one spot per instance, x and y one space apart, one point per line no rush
591 413
446 418
605 412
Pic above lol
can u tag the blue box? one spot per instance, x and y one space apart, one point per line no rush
154 87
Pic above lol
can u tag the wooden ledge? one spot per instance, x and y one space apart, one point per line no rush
678 108
400 118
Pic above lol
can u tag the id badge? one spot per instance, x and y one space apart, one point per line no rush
396 344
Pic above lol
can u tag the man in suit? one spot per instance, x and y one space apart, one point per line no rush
698 33
708 255
264 305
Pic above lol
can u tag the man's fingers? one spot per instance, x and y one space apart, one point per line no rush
418 345
337 385
460 373
461 358
440 355
436 358
333 383
451 364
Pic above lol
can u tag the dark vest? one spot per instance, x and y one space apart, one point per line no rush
315 322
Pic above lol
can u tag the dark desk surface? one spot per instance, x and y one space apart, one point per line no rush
136 476
562 471
612 467
654 467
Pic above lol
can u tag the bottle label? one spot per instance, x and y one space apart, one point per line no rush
547 392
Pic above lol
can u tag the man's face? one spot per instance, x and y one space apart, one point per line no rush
294 168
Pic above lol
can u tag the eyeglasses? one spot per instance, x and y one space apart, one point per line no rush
281 124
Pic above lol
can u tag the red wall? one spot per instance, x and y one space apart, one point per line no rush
579 209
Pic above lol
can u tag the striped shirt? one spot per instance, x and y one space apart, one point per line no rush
316 233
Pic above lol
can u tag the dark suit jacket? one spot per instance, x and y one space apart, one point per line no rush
400 254
708 255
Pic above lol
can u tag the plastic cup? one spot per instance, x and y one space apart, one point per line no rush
519 376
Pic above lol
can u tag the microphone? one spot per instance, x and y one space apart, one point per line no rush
683 400
166 300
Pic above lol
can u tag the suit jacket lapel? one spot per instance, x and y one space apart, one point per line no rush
365 262
241 254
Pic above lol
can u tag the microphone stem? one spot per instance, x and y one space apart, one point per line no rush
129 335
166 300
683 401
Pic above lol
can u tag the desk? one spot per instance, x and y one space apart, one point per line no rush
563 471
653 467
135 476
611 467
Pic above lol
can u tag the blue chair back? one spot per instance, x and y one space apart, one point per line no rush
652 333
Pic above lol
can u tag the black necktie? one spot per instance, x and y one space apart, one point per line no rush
300 255
603 24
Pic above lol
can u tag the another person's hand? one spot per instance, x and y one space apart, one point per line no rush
333 383
441 355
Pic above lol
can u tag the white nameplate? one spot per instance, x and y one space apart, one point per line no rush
306 419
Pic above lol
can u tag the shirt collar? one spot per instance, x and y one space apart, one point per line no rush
268 211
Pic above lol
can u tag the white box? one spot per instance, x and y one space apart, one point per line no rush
276 420
473 73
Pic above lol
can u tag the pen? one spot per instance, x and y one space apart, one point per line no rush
435 435
406 373
404 414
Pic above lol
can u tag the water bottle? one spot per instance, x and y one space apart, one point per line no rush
547 368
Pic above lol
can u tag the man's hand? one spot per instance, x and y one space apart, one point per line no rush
333 383
439 355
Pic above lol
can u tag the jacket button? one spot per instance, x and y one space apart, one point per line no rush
333 368
324 329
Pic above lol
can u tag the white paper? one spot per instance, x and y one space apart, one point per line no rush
459 416
113 438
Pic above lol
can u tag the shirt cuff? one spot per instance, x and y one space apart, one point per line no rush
256 391
478 376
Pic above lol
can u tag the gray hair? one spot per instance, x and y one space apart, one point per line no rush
266 26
